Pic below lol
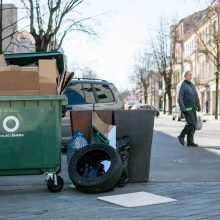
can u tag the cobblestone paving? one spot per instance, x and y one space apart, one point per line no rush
191 176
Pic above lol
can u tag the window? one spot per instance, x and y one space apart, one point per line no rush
75 94
103 93
88 93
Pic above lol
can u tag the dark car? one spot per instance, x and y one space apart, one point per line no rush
149 107
85 94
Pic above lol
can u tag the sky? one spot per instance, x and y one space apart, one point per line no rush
125 28
124 33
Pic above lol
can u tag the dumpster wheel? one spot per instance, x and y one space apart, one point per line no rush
55 184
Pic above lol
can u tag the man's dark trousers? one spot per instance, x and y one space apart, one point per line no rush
189 129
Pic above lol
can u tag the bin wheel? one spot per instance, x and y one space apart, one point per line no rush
55 188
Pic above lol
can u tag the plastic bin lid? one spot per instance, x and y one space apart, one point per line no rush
62 98
22 59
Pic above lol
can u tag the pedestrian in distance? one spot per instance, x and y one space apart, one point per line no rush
188 101
207 106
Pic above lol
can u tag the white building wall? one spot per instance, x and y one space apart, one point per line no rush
9 26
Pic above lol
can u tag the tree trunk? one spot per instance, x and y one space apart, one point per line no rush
164 103
216 95
145 98
41 44
167 80
145 87
169 101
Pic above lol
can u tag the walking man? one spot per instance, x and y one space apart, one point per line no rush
189 103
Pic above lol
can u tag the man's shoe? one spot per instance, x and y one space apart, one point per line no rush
181 140
192 145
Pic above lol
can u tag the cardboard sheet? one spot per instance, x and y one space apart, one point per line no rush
131 200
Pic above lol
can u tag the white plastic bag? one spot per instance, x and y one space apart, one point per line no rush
199 121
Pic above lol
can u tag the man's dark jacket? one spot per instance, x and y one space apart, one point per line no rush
188 97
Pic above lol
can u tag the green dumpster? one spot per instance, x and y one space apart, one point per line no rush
22 59
30 137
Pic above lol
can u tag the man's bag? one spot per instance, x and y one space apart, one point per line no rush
199 122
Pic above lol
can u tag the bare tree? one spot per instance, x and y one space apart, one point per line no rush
161 50
125 94
142 68
52 20
208 43
87 73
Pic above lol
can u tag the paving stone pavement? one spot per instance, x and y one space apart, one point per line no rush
189 175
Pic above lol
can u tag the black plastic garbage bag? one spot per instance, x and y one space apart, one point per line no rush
123 149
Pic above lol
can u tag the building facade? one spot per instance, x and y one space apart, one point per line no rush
154 91
8 27
14 41
194 48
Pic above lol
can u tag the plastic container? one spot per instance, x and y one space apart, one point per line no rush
77 142
97 137
30 134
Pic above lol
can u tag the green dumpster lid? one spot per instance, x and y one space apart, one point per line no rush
62 98
22 59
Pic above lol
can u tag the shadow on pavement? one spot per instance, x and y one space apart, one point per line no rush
172 162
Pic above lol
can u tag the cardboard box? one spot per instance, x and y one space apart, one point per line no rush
47 71
19 83
4 68
18 68
48 88
21 92
23 68
16 80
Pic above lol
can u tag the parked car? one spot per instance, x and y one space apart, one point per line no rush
143 106
176 113
87 94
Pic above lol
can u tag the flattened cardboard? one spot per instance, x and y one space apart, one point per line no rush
47 71
82 120
18 68
14 81
48 88
21 92
67 81
4 68
23 69
103 127
61 82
